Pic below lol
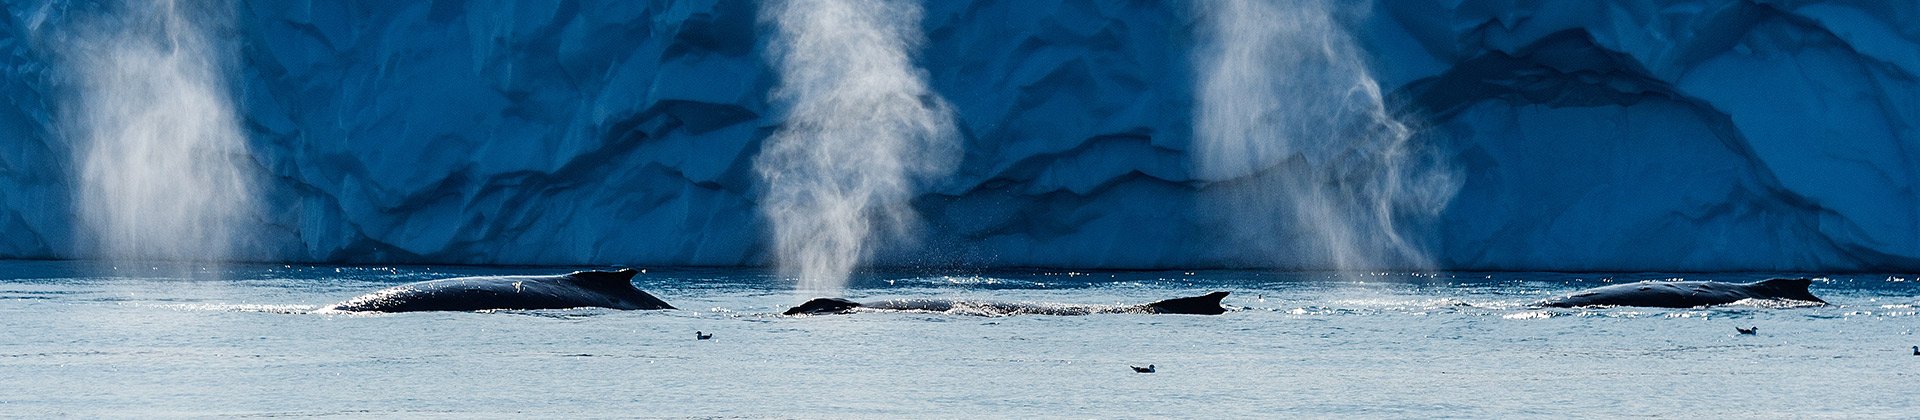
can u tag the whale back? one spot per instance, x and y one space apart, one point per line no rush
823 306
617 284
1207 304
605 289
1685 294
1656 294
1785 288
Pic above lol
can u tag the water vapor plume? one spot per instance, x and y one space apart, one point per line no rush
862 132
162 168
1307 168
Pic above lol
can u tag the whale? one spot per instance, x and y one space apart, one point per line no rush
1687 294
1207 304
580 289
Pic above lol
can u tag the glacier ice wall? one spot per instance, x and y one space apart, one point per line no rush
1587 135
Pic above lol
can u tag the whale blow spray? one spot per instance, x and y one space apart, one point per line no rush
162 169
1306 167
862 130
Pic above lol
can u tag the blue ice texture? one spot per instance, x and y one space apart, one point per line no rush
1619 135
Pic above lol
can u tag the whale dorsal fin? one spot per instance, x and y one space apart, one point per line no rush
1785 288
619 279
1207 304
618 284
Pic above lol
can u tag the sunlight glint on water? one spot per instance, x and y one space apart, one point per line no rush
88 342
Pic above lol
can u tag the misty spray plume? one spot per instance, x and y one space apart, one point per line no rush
862 130
162 168
1307 168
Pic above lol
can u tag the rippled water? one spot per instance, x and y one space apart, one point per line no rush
88 340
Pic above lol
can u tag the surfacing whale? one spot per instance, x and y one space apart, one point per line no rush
1208 304
602 289
1687 294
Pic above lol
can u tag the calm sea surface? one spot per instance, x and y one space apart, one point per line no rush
92 339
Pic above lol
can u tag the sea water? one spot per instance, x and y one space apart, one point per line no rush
148 340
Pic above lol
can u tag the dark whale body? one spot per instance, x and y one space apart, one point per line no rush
603 289
1208 304
1686 294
